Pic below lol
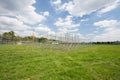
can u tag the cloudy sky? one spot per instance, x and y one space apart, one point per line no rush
96 19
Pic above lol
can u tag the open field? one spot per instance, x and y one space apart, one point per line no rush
30 62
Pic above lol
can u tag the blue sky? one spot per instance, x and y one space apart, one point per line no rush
98 20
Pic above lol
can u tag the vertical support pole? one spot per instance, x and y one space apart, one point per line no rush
33 37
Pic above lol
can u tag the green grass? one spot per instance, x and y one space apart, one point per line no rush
30 62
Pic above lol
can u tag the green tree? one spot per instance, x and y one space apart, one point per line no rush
9 36
42 39
27 38
12 35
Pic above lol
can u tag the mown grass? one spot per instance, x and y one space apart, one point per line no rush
30 62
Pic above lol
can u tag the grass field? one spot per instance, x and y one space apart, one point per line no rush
27 62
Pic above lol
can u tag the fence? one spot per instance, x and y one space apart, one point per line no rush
65 41
55 41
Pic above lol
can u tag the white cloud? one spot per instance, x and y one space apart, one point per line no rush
43 29
46 13
80 7
110 7
24 33
114 35
15 15
84 20
67 25
111 30
7 23
56 2
38 31
13 24
21 9
65 30
66 22
31 18
8 7
107 23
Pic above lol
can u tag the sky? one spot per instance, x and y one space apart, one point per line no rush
98 20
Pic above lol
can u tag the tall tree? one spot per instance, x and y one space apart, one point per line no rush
12 35
8 36
42 39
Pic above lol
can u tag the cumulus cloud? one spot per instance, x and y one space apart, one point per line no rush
107 23
56 2
67 25
13 24
7 23
10 7
80 7
43 29
111 30
84 20
66 22
46 13
110 7
15 15
21 9
65 30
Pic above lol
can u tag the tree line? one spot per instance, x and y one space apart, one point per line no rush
107 42
11 38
